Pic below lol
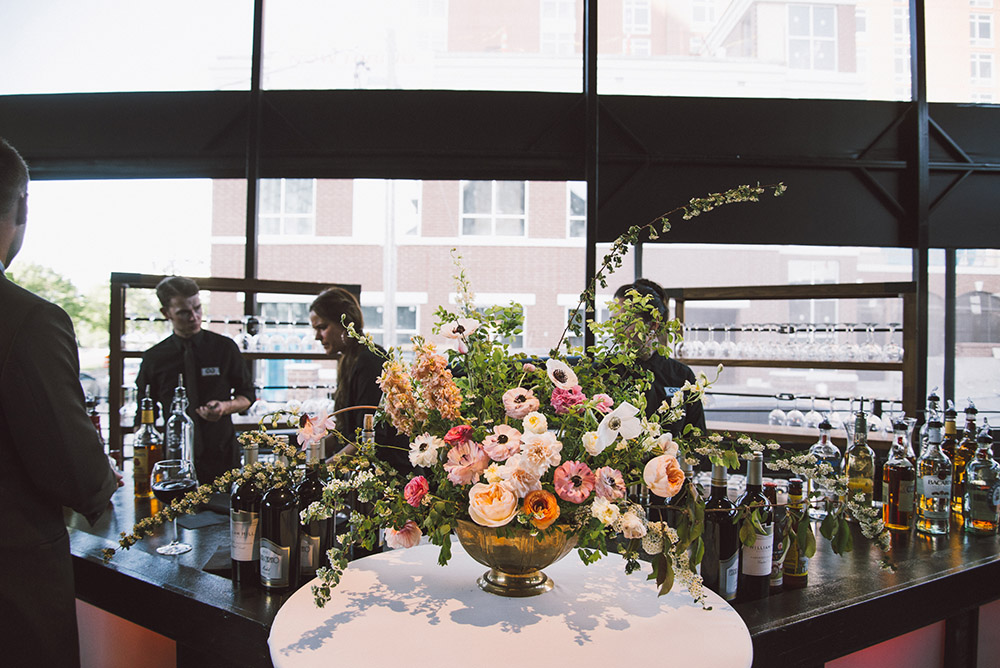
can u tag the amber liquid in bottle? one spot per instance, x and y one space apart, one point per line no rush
898 482
965 451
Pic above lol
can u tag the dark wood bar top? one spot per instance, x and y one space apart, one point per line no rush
850 602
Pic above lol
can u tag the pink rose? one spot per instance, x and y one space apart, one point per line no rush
563 401
574 481
518 402
663 476
465 462
408 536
502 443
415 490
492 505
609 485
458 434
604 403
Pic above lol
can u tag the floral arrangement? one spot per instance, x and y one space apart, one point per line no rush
515 443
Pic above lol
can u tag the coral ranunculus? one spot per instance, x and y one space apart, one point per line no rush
408 536
492 505
518 402
465 462
504 442
542 508
574 481
415 490
663 476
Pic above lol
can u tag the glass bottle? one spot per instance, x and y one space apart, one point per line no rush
316 537
933 484
964 452
720 563
950 439
825 452
780 533
754 579
796 563
180 426
147 449
933 412
898 482
244 525
859 463
982 487
279 538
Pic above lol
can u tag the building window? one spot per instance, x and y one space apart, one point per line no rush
703 13
572 340
980 97
901 24
901 62
407 321
494 208
637 46
981 29
558 27
515 341
812 37
576 192
982 68
431 29
860 21
638 18
981 4
287 206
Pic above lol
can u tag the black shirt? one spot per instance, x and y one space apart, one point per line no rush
222 373
668 377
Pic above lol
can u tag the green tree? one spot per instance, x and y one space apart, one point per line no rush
88 312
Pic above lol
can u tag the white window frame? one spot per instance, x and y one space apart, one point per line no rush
570 216
978 61
284 218
492 216
703 14
633 26
557 27
813 39
976 23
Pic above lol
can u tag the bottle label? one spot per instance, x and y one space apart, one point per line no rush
244 544
757 557
934 487
729 571
984 499
309 552
274 561
905 495
140 464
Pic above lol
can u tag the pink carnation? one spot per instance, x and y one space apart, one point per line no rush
574 481
563 401
465 462
415 490
609 484
408 536
518 402
604 403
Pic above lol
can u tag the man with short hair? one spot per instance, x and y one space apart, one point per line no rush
50 454
216 377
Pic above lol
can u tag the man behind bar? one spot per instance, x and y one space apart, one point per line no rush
50 454
215 376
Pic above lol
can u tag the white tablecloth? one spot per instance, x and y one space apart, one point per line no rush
400 608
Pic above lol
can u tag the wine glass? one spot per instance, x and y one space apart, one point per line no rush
892 351
850 351
795 417
813 417
777 416
712 347
171 479
728 348
870 351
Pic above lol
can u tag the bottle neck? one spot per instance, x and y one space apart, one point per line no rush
720 481
147 416
933 437
249 455
755 473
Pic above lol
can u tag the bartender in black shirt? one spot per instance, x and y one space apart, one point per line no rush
216 378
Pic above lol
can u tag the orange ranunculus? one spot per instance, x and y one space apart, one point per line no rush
542 507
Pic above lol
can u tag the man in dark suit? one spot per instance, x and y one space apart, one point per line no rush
50 454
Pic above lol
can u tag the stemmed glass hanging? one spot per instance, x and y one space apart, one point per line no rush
892 351
870 351
850 350
795 418
777 416
694 348
712 347
728 349
813 418
835 418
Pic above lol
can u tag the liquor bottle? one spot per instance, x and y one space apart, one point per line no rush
859 463
964 452
825 452
932 413
316 537
949 440
796 565
279 538
244 526
720 563
180 427
146 450
933 484
754 579
898 482
982 487
780 532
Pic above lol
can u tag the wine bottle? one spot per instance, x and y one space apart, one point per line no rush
147 448
898 483
755 560
720 563
180 427
279 538
933 485
316 537
796 565
778 544
982 488
964 452
244 526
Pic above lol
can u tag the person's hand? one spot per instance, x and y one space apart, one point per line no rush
212 411
119 478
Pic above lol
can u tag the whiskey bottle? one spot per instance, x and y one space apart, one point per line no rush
898 482
147 448
720 563
933 490
982 487
754 579
949 440
859 463
244 526
964 452
825 452
933 412
796 565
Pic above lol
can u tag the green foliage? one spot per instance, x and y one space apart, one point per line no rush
89 312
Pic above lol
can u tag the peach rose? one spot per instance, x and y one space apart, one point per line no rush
492 505
663 476
542 508
408 536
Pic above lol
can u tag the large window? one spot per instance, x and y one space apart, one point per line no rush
812 37
494 208
287 206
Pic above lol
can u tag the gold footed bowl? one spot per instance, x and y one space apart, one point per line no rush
516 560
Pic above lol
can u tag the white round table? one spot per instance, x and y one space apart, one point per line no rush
400 608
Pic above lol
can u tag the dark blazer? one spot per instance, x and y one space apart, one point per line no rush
50 457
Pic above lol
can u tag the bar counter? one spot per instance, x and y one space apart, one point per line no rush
850 602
